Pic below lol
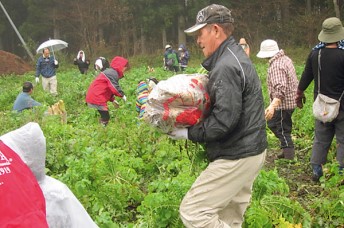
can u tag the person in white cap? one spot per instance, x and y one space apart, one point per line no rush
233 132
282 85
171 60
101 64
330 53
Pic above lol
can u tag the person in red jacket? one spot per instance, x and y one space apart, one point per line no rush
105 88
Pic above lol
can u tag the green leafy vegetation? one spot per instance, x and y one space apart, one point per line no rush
130 175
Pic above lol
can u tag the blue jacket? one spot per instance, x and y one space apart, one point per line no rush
46 67
24 101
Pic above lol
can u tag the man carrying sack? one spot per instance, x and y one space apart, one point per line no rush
233 132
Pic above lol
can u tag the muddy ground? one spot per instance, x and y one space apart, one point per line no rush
13 64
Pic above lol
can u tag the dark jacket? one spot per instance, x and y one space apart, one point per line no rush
184 55
105 87
235 126
46 67
82 62
331 75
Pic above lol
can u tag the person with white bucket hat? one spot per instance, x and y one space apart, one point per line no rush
282 84
330 54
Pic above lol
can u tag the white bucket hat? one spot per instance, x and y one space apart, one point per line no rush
268 48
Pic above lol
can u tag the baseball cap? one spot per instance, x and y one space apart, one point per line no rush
210 15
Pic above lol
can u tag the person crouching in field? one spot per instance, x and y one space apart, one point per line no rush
101 64
105 87
142 91
24 99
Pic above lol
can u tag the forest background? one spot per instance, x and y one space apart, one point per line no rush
143 27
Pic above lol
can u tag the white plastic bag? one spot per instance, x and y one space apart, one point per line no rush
63 209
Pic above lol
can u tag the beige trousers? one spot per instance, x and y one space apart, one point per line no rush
50 84
220 195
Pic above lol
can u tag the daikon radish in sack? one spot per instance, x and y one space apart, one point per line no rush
179 101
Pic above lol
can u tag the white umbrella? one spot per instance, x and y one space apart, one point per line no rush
53 44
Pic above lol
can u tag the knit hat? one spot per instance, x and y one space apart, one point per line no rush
332 31
268 48
211 14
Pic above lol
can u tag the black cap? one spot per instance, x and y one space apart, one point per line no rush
212 14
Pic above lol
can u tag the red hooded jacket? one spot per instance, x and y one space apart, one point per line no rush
105 87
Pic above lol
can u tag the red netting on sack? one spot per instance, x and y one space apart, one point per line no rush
180 101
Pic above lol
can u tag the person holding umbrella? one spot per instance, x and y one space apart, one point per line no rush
46 66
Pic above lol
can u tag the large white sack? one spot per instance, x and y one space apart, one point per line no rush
180 101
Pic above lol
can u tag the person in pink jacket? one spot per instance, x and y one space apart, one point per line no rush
105 88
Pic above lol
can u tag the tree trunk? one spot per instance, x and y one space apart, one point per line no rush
100 28
164 38
308 7
181 27
56 30
1 44
136 42
336 8
285 11
143 41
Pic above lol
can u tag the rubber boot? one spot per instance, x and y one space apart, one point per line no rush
289 153
317 172
103 122
280 155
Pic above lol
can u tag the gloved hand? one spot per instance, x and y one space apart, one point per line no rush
115 104
37 79
300 98
56 62
178 133
124 98
270 111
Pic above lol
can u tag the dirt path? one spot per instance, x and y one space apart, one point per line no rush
297 174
